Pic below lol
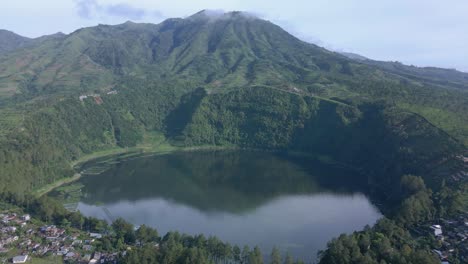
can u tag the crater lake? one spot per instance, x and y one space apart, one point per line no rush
242 197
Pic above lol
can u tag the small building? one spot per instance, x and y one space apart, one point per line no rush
26 217
95 235
437 229
20 259
96 258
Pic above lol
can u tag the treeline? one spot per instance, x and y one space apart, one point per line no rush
146 244
386 242
389 241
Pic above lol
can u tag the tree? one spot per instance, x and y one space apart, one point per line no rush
448 202
416 208
255 256
146 234
124 230
77 220
275 256
412 184
245 254
236 253
288 259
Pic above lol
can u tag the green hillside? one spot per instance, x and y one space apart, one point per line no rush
234 80
10 41
230 80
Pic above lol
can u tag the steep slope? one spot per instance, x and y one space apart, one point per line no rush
222 53
10 41
230 80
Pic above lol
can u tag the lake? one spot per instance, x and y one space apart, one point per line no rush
242 197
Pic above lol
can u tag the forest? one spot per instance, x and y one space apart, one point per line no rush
235 82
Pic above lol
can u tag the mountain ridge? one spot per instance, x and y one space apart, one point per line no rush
231 81
234 50
242 83
10 41
454 77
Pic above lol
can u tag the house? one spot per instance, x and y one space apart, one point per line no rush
96 258
437 229
62 252
95 235
26 217
20 259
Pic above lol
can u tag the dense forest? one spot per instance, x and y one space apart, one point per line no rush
235 82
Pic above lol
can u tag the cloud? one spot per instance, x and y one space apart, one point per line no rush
90 9
124 10
85 7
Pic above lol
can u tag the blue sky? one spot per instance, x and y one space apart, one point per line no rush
417 32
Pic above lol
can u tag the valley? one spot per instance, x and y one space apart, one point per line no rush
189 90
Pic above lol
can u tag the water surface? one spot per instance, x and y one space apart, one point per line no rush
242 197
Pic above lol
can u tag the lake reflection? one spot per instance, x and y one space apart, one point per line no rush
242 197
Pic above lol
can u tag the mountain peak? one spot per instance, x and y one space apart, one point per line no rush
9 41
208 14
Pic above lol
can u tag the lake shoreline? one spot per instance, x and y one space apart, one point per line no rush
216 192
115 152
161 148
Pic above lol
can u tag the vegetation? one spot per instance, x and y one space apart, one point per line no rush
386 242
142 244
237 81
389 241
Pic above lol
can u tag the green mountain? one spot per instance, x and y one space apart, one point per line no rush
10 41
429 75
228 80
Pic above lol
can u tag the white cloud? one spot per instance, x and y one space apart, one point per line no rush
90 9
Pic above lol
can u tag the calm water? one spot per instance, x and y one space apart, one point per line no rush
251 198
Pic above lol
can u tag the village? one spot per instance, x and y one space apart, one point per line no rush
22 241
450 238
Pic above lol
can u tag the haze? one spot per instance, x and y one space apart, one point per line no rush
418 32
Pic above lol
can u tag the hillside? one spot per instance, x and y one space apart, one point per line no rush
10 41
227 80
430 75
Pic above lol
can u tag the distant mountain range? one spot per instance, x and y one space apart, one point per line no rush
429 74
